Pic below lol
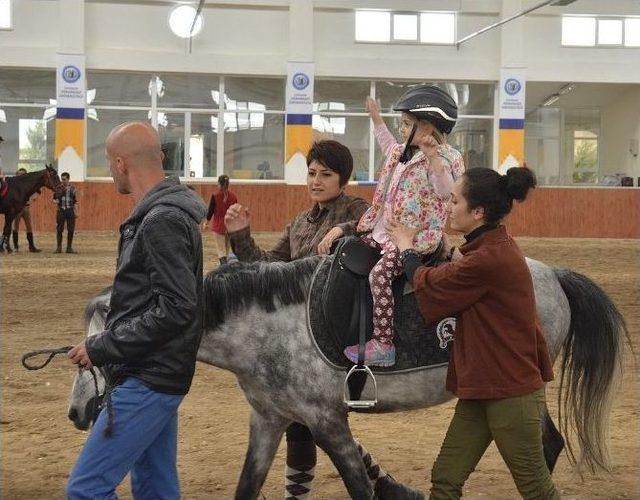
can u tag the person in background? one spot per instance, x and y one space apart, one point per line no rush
218 206
66 200
24 214
3 184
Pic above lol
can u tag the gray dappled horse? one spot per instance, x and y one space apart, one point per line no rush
256 326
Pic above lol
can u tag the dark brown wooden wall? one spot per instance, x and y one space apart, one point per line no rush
552 212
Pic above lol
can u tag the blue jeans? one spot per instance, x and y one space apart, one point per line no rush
143 442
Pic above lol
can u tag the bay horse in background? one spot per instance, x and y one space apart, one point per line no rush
19 189
257 326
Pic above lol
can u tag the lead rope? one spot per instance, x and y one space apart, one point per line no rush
108 431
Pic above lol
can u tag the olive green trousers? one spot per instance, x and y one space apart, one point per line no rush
515 426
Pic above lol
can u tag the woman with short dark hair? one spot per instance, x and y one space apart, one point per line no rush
499 361
333 214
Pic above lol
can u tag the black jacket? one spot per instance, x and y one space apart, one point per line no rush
154 325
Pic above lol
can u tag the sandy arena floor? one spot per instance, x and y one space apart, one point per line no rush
42 299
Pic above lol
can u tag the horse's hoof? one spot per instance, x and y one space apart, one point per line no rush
387 488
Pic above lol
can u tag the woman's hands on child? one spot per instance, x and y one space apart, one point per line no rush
402 236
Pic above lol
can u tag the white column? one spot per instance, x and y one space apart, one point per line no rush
301 30
512 34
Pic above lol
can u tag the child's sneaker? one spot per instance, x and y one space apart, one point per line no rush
375 353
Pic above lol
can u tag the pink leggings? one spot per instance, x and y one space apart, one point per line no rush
381 280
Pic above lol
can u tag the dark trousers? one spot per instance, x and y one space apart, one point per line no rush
514 425
67 215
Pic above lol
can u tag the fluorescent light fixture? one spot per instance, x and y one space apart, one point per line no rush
181 18
551 99
3 116
569 87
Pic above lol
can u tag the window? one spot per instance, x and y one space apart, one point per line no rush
609 31
405 27
5 14
437 27
373 26
585 157
32 142
579 31
632 32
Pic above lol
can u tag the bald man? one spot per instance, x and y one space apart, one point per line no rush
153 329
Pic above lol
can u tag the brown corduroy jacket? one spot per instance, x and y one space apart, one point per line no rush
498 348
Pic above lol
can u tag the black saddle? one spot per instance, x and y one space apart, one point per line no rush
334 311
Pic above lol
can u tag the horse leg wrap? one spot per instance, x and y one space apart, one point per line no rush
374 471
300 469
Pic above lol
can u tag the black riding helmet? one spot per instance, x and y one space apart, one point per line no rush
429 103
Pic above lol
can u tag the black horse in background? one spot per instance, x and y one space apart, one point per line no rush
20 189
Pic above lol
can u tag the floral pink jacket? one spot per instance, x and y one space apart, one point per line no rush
418 199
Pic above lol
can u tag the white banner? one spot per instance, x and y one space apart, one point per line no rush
512 95
70 84
299 93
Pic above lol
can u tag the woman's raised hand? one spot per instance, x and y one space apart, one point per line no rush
236 218
324 247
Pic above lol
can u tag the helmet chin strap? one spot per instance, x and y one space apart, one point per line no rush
406 154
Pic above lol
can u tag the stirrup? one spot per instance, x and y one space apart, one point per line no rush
359 404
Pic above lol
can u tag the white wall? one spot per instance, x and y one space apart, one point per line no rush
621 124
252 37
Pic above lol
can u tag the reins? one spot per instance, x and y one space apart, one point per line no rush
96 402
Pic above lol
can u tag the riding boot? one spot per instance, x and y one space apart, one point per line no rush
223 261
5 242
69 242
15 239
32 246
59 243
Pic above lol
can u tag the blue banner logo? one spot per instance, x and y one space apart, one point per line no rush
512 86
70 74
300 81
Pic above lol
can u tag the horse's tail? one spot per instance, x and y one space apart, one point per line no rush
591 361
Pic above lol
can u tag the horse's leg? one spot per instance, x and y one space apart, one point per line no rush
264 437
552 440
335 439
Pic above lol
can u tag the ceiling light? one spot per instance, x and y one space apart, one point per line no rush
551 99
569 87
181 19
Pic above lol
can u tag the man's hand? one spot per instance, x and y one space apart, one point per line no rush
79 356
324 247
236 218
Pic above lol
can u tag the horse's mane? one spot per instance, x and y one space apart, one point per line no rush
239 285
29 176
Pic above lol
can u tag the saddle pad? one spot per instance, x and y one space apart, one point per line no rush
417 344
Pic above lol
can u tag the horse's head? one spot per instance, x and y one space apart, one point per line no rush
52 180
85 399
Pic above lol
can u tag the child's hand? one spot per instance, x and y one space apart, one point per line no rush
428 145
402 236
374 111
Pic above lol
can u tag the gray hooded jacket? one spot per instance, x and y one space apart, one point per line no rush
154 325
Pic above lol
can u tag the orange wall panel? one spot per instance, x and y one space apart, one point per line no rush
549 212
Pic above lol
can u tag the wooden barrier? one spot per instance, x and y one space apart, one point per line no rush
550 212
